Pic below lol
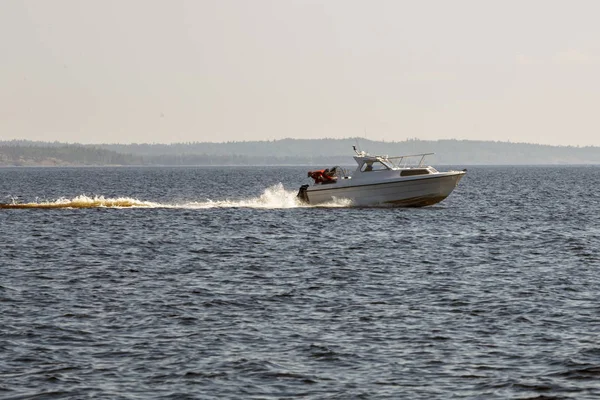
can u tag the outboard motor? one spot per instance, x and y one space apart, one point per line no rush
302 195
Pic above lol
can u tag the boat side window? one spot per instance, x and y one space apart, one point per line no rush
373 166
413 172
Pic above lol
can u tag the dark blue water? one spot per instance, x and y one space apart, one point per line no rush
217 285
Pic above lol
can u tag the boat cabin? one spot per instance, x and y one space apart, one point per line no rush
375 168
368 163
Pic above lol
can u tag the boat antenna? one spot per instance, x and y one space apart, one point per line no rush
357 145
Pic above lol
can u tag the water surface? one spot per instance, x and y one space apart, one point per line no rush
214 283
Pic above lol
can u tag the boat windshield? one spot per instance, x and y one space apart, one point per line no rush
374 165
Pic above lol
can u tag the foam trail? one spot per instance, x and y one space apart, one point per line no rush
84 201
273 197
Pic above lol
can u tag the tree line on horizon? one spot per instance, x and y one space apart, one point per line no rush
289 152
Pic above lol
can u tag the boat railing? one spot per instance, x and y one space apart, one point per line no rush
405 161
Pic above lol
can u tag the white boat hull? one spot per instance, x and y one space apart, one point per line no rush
417 191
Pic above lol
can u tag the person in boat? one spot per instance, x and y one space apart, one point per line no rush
330 173
323 176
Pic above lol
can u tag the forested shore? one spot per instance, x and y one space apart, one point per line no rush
288 152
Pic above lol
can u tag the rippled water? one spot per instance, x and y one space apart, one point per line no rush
216 284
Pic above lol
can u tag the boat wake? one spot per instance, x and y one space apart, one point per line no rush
275 197
83 201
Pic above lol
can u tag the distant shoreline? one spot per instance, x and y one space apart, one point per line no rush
467 166
288 152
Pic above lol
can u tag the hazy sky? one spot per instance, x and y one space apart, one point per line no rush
218 70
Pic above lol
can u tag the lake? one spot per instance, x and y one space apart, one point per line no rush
213 282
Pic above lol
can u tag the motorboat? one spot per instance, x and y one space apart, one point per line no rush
381 180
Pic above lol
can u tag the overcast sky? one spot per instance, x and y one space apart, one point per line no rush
220 70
